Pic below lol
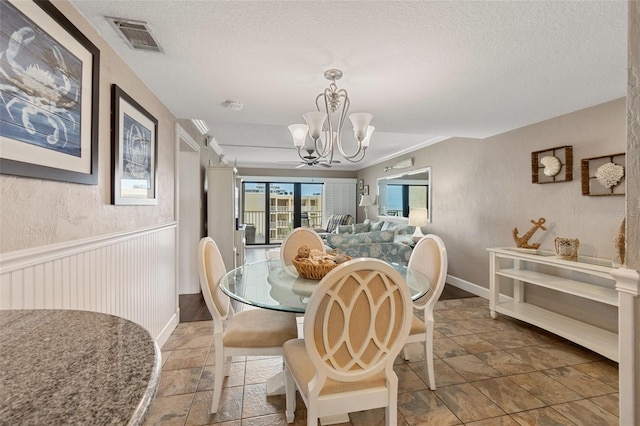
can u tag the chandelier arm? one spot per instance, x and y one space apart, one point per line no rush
325 149
300 155
355 160
343 116
328 153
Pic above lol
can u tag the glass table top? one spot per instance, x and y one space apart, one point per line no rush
267 284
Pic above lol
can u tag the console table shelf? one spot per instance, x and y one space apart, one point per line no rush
565 285
520 272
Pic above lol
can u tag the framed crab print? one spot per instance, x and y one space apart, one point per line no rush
49 76
134 151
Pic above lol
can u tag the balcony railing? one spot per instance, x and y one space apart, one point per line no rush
279 226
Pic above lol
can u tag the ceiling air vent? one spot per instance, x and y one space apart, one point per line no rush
137 34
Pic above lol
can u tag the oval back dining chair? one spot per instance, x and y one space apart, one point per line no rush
356 323
252 332
294 240
429 257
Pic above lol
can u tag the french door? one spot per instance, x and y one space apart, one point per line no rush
272 209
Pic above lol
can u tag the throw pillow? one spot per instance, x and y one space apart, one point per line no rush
377 226
389 226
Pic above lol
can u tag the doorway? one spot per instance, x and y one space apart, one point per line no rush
188 211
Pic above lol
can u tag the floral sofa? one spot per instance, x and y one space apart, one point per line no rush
388 241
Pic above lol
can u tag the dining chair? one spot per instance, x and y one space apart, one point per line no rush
356 323
253 332
429 257
294 240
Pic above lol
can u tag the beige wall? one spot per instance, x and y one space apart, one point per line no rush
482 189
35 212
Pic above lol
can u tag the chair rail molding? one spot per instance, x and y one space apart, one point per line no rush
131 274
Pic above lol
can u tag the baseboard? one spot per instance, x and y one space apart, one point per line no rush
473 288
468 286
168 329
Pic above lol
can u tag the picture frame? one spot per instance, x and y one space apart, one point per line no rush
134 151
591 178
559 165
360 184
366 190
57 139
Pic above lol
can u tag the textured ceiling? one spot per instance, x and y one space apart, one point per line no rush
426 70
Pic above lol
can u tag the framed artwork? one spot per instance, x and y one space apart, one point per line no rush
603 175
49 74
552 165
366 190
134 151
360 184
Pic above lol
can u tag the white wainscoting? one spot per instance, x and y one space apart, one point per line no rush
130 274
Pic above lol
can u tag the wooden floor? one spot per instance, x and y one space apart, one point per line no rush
193 308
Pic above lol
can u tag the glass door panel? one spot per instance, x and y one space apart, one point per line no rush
281 201
311 205
254 216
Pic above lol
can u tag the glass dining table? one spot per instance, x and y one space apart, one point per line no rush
270 285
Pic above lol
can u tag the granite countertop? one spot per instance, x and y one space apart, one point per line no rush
75 367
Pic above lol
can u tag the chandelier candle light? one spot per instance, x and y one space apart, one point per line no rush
325 125
418 218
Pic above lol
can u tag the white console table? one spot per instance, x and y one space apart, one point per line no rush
518 270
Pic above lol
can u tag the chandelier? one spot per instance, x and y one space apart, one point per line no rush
324 126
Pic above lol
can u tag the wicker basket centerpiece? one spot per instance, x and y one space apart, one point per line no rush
314 264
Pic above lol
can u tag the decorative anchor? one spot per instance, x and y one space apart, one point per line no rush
523 242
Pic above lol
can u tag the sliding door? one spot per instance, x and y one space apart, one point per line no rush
272 209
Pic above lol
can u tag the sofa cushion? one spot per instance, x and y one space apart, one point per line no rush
389 252
344 229
405 230
334 240
359 228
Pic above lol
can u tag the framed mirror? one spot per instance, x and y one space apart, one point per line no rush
401 192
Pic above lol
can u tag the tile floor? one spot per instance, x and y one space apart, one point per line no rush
488 372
